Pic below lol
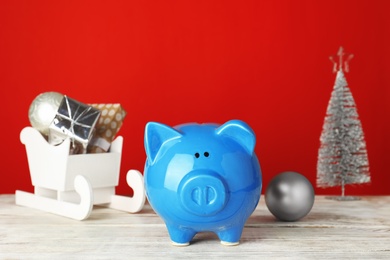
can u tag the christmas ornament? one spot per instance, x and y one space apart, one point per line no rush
289 196
342 156
43 110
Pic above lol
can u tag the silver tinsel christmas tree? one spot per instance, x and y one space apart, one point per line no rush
342 156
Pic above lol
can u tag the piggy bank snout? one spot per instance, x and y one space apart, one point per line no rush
203 193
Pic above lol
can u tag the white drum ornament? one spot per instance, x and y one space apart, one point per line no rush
43 110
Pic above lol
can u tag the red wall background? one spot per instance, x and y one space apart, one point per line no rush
265 62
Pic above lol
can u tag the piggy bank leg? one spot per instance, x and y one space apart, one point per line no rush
231 236
180 236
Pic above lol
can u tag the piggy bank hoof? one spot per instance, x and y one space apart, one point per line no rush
226 243
180 244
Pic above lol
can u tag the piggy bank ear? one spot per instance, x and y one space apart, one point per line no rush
156 136
240 132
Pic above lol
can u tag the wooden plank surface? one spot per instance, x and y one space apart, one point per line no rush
332 230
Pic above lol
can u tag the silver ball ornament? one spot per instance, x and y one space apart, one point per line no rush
43 110
289 196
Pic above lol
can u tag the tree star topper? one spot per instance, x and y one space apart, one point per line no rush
339 65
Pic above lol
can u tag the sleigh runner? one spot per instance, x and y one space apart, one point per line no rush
69 185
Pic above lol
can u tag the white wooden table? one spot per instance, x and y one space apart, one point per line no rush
332 230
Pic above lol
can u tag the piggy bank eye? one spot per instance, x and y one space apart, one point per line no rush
206 154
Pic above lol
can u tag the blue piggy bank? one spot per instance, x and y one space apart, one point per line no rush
202 177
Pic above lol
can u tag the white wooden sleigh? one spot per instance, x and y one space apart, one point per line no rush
69 185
